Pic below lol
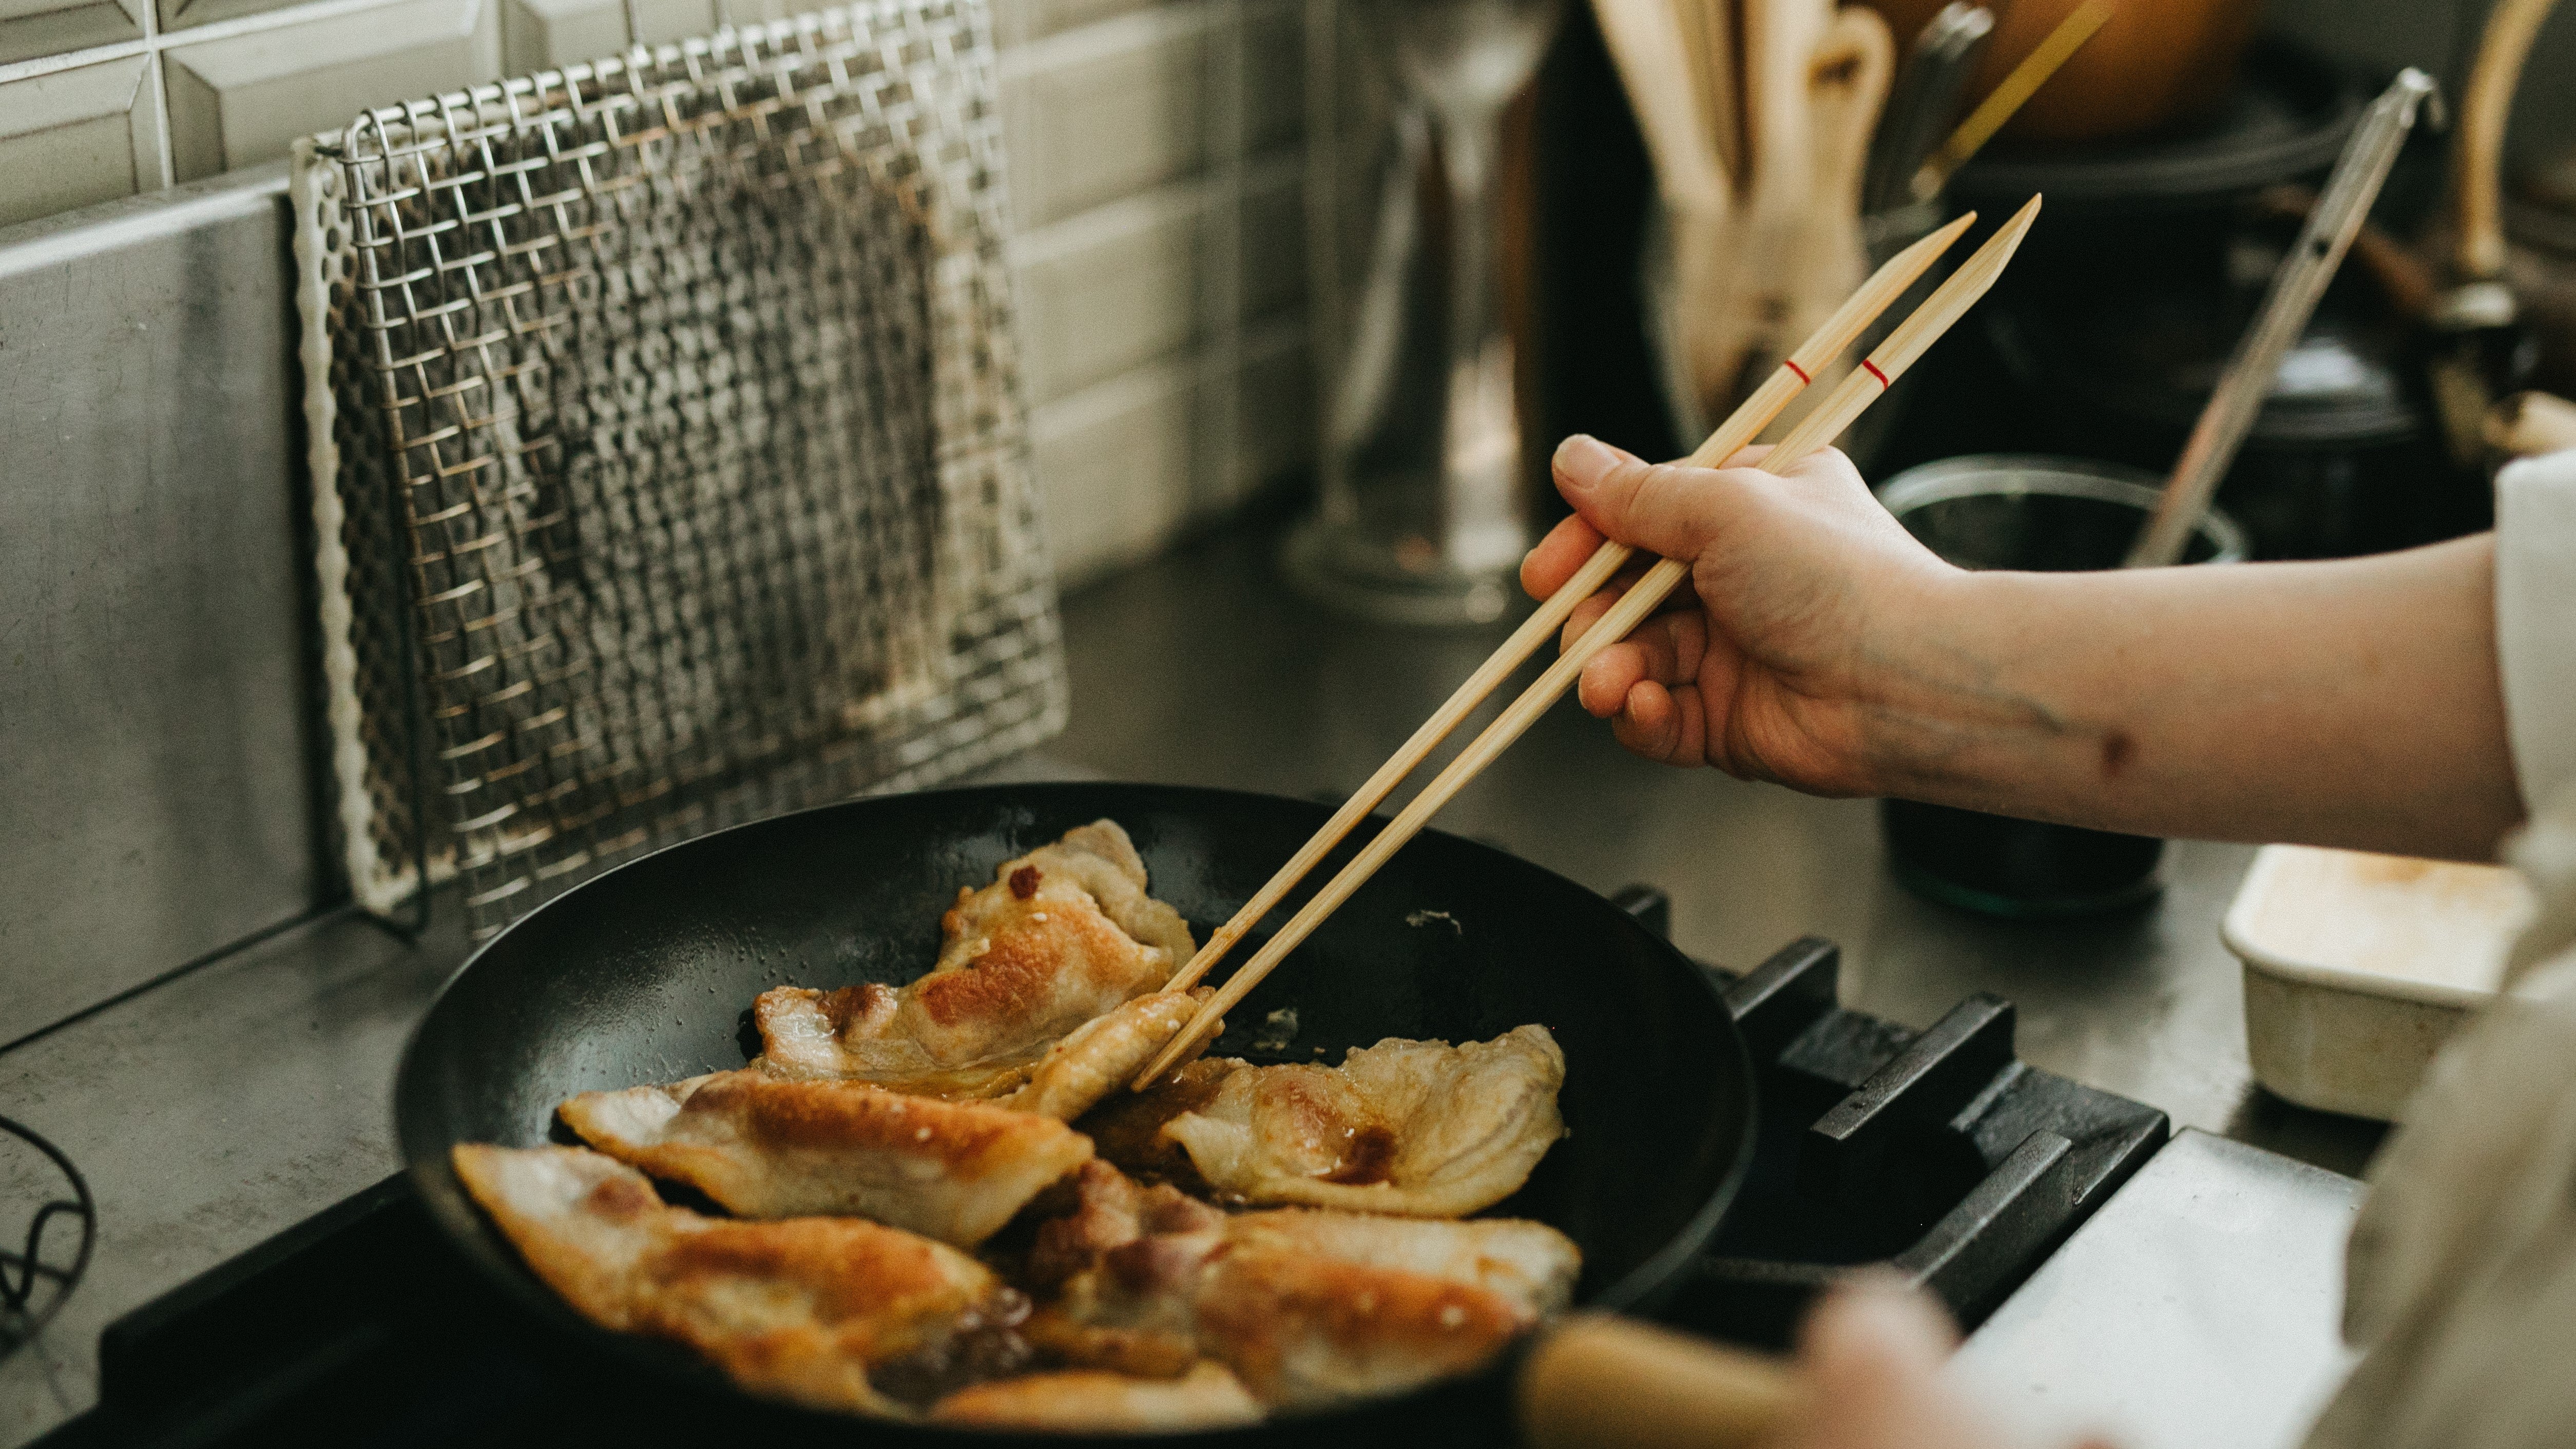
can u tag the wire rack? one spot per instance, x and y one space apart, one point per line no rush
41 1267
678 470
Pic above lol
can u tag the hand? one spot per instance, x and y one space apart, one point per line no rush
1871 1356
1803 583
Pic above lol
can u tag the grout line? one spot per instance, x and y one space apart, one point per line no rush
148 16
1321 135
1117 35
279 19
154 75
74 59
1227 58
155 39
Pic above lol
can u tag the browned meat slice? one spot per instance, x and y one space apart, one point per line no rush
1307 1307
1090 1402
1109 1210
1063 935
1529 1265
1104 1054
1415 1128
770 1148
1127 1128
1301 1330
806 1309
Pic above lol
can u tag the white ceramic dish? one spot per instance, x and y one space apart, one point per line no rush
2358 967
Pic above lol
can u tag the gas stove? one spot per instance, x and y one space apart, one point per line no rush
1934 1153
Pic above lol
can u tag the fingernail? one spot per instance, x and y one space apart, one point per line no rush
1582 459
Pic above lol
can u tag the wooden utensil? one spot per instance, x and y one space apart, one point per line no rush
1846 86
1786 381
1598 1382
1647 44
1738 329
2010 95
1864 386
1708 28
2158 63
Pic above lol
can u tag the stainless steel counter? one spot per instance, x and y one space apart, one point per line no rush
225 1104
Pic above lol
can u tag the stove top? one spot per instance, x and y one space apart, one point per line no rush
1933 1152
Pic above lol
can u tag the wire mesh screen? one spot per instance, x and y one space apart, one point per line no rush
692 418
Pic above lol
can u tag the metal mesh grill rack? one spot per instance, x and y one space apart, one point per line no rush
675 437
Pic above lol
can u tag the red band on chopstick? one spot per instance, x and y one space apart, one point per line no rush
1874 372
1802 372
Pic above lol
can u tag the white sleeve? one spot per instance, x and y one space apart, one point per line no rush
2536 620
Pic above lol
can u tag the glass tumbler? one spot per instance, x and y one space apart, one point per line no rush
1423 514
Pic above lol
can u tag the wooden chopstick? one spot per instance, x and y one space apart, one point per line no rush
1743 426
2009 94
1866 385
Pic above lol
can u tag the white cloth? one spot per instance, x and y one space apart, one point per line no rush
2461 1277
2536 620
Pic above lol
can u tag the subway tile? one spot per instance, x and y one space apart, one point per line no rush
1105 111
1110 289
184 14
32 28
1016 22
1113 467
760 12
1126 465
660 21
546 34
1129 282
72 137
245 99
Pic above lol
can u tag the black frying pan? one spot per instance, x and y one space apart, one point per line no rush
646 974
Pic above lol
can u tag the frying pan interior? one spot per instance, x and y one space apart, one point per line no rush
646 975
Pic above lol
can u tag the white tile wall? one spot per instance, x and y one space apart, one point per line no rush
539 34
1155 170
247 98
70 137
30 28
1135 461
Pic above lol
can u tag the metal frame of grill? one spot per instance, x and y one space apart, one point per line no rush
671 462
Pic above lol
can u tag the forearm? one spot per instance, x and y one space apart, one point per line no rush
2352 702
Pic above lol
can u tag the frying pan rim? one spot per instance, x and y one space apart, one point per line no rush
445 1201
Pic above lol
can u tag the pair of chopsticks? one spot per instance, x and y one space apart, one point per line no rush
1864 386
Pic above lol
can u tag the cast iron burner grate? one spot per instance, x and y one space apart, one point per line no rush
1933 1152
46 1264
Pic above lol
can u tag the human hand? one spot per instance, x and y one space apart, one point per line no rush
1807 592
1871 1357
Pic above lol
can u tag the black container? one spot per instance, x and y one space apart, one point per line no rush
2010 511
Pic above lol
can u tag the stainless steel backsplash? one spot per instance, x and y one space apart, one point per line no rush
156 800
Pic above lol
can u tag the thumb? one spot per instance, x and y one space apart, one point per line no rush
1670 509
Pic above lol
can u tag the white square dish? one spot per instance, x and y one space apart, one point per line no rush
2358 967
